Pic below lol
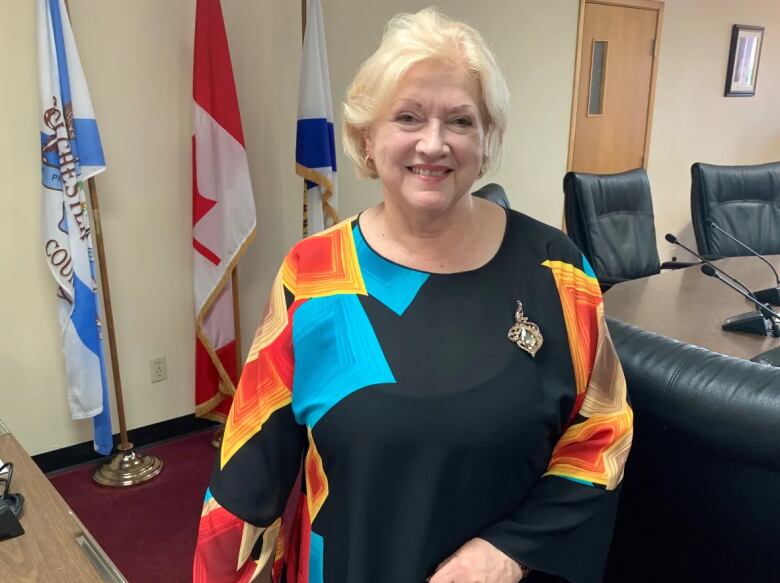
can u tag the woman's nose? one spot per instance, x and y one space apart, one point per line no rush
432 142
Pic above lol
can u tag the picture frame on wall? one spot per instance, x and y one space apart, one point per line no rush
744 56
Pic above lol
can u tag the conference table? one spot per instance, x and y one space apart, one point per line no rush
56 546
689 306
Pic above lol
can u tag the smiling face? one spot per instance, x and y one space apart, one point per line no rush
427 144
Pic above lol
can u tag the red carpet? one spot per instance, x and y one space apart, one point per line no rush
149 531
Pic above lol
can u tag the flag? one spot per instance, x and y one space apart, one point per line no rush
71 153
315 147
223 211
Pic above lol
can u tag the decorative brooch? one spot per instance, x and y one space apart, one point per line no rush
525 333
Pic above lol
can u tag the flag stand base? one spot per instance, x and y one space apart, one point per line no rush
127 468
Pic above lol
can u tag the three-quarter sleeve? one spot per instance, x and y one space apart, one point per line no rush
260 456
564 525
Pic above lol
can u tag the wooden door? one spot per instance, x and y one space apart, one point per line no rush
614 86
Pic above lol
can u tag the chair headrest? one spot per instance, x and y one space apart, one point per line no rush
494 193
622 192
722 184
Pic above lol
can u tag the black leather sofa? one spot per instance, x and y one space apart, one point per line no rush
700 499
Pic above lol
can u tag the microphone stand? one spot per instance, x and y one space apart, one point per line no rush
764 321
675 241
766 296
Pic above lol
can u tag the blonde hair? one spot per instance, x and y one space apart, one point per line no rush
410 39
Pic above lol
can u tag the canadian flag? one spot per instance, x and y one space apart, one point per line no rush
223 211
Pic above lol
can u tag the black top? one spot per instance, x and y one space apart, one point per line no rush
418 423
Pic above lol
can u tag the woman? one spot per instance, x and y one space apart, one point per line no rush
438 367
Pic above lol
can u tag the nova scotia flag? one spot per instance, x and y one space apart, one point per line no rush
315 151
71 153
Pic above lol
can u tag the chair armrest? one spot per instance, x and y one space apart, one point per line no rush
678 264
607 282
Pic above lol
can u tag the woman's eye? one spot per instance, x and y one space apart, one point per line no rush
405 118
462 122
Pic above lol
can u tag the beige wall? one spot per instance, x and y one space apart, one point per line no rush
138 60
693 121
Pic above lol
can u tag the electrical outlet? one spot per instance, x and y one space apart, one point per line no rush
158 368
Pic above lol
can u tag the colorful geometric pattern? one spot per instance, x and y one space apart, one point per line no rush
270 535
316 480
298 566
606 393
266 381
220 535
288 542
336 354
580 294
330 267
316 492
593 449
391 284
316 556
279 556
274 319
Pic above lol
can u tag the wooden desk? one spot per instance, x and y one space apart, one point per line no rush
55 546
687 305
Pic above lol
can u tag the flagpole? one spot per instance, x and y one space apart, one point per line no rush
125 468
237 322
109 314
305 219
303 20
216 439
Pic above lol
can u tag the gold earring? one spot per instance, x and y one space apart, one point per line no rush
482 167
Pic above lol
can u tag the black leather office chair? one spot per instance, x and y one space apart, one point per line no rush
610 218
700 496
494 193
742 200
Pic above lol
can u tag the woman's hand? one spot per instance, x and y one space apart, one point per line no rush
478 561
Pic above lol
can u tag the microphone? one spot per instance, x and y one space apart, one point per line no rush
764 321
675 241
770 295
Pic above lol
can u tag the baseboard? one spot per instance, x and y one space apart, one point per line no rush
80 453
